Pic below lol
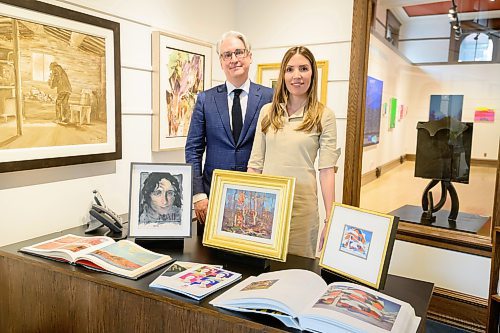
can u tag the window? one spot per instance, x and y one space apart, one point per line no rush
41 66
476 46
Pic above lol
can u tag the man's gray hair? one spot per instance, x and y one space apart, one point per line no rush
235 34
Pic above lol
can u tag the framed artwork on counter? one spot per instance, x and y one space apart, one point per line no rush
250 214
182 68
160 200
60 90
358 244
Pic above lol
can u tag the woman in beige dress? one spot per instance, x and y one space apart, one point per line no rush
290 132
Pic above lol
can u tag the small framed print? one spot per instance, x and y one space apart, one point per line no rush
160 200
250 214
358 244
267 75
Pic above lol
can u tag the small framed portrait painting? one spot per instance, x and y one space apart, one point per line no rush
250 214
160 200
358 244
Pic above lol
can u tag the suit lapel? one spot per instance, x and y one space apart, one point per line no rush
223 109
253 102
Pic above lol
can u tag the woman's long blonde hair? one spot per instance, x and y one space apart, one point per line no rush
313 109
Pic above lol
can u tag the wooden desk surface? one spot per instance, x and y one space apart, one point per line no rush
47 296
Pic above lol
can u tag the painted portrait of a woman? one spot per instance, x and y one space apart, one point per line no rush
160 199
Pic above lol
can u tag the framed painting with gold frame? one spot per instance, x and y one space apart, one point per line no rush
358 244
267 75
250 214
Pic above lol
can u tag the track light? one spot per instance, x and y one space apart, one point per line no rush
454 21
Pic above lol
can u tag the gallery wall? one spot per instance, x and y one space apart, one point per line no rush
37 202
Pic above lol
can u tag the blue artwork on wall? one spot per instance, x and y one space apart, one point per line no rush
446 106
373 109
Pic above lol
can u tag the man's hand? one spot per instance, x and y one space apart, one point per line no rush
200 209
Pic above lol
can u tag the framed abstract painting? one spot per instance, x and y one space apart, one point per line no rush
371 135
182 68
250 214
358 244
160 200
60 92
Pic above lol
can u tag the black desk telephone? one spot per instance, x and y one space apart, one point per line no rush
102 215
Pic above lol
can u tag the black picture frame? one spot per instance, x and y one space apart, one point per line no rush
96 102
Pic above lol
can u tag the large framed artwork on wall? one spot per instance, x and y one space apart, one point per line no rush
371 135
60 101
267 75
182 68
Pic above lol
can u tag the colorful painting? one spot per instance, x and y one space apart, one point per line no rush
249 213
484 115
59 87
205 277
361 305
185 77
446 106
392 117
356 241
371 134
125 256
181 70
264 284
71 243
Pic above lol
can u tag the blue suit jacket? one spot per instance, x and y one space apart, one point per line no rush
210 130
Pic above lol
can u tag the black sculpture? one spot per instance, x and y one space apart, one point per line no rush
443 155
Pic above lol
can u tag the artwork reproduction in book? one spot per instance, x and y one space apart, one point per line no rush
100 253
318 307
181 266
196 282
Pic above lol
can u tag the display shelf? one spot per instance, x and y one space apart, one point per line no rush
494 298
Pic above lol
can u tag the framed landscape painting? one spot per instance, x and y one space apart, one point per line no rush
160 200
250 214
358 244
181 70
267 75
60 101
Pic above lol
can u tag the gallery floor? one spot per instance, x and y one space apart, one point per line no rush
399 187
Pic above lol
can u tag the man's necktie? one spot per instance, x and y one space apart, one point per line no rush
237 118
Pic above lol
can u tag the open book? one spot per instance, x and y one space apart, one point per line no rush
196 282
302 300
100 253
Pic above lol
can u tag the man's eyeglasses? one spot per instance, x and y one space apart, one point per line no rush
238 53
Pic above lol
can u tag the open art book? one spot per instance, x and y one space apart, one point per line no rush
100 253
196 282
302 300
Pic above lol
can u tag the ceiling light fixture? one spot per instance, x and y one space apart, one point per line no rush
454 21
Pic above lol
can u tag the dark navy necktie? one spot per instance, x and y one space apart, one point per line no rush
237 118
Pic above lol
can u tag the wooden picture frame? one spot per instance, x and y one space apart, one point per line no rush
182 68
267 75
160 200
60 91
250 214
358 244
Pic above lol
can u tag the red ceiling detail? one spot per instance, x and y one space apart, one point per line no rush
442 7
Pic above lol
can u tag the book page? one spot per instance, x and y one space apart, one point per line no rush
288 291
196 282
350 305
124 258
68 247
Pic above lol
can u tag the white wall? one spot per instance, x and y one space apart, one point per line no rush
37 202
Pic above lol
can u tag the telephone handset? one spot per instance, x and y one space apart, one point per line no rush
106 217
103 216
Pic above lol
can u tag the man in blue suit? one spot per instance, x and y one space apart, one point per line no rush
224 119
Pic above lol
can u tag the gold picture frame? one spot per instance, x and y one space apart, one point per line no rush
250 214
267 75
358 244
